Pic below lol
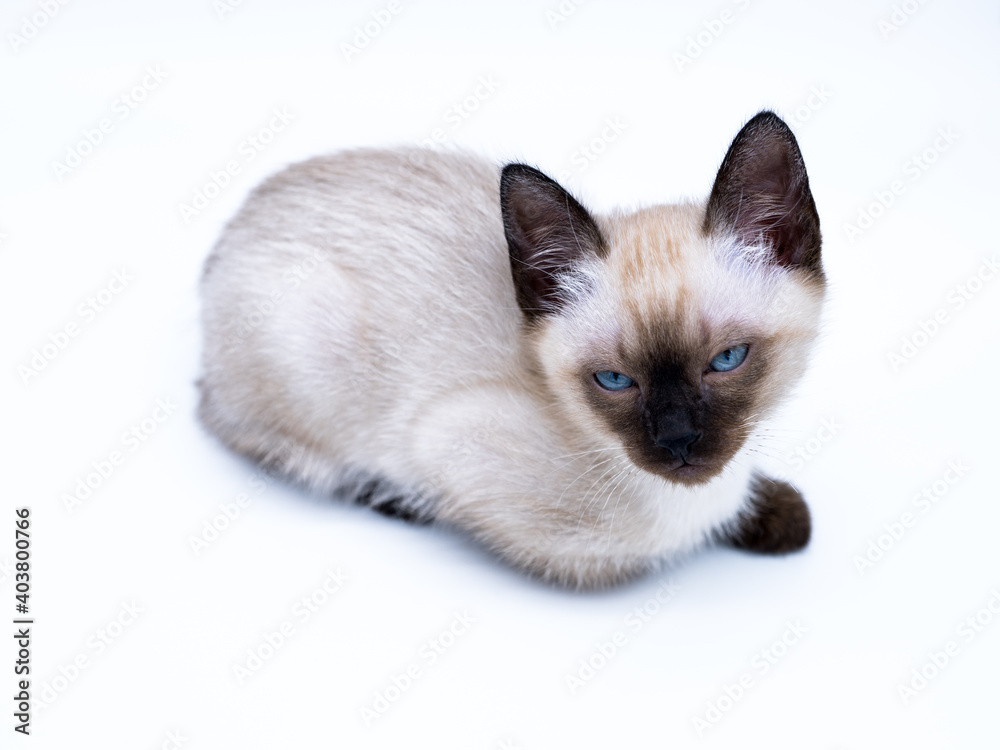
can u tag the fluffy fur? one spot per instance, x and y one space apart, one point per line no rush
419 332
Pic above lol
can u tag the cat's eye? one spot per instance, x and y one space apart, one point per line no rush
613 381
729 359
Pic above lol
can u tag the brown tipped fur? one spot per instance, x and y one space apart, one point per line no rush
776 520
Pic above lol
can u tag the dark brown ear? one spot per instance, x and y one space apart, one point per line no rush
548 233
761 193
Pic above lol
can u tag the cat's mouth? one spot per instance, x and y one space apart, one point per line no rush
690 470
683 471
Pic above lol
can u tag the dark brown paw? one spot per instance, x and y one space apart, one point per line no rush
777 521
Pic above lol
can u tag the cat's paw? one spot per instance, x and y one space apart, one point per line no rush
776 521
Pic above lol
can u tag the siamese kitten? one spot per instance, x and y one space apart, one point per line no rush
447 341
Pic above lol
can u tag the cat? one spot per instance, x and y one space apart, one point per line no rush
444 340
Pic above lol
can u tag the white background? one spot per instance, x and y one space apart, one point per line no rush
864 104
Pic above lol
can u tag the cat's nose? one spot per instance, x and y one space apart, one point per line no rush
679 446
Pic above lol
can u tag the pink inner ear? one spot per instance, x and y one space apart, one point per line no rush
772 175
762 194
770 219
767 214
547 231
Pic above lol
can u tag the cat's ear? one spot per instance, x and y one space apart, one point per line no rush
761 194
548 234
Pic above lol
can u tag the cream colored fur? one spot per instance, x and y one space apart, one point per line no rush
360 323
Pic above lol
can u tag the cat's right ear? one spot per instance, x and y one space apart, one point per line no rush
548 234
761 194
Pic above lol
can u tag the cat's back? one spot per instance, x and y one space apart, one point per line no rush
371 197
408 233
358 285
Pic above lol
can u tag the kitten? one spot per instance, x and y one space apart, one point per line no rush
449 342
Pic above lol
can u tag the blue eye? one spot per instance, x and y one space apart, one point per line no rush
613 381
730 359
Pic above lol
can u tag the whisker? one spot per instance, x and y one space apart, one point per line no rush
622 476
579 477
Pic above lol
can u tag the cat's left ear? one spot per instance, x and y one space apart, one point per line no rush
761 193
548 234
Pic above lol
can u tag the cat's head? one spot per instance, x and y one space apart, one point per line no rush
674 330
